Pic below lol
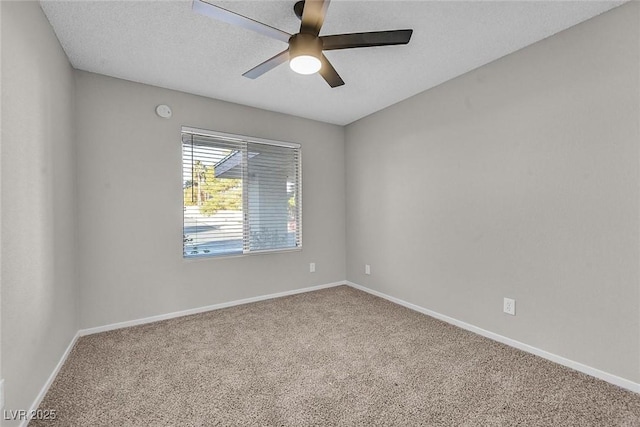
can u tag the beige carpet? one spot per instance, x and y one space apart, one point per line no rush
332 357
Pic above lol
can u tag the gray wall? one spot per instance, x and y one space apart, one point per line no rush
130 204
39 292
519 179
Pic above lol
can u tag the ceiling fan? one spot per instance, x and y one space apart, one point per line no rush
305 47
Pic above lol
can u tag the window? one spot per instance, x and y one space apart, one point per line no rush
241 195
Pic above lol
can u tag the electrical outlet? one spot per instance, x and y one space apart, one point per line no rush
312 267
509 306
1 394
367 269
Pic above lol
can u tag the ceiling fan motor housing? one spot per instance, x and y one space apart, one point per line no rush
305 44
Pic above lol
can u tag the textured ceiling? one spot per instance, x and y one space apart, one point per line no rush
163 43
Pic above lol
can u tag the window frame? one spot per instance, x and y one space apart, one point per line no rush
245 194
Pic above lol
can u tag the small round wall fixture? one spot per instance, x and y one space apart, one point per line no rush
164 111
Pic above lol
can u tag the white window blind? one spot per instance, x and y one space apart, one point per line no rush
241 195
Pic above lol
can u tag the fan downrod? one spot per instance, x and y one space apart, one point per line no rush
298 8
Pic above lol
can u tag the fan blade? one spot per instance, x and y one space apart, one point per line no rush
224 15
330 74
267 65
374 38
313 16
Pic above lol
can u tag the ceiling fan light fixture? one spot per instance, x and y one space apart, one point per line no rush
305 64
305 51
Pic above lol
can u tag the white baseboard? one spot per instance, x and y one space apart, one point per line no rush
47 384
135 322
610 378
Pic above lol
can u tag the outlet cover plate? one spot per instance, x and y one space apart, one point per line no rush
312 267
509 306
367 269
